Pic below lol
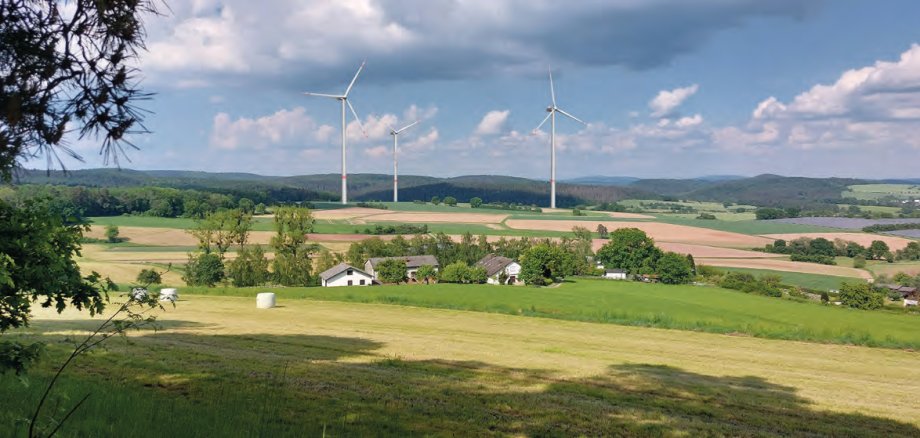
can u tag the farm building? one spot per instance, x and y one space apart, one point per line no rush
909 293
412 264
344 274
615 274
500 270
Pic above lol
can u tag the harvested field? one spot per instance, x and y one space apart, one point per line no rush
848 223
894 242
167 236
661 232
126 273
621 215
786 265
348 213
427 217
317 237
703 251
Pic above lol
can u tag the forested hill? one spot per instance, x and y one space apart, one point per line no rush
764 190
325 187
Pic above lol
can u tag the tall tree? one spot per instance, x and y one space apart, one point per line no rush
630 249
292 266
68 66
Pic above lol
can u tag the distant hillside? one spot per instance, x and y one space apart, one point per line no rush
603 180
774 190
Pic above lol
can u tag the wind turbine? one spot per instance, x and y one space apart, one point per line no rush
395 133
552 110
343 98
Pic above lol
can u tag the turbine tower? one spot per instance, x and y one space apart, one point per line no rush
552 110
395 133
343 98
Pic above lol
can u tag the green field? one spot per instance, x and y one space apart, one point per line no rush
752 227
219 367
878 191
801 279
697 308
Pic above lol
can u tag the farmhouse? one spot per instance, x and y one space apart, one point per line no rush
344 274
500 270
910 294
615 274
412 264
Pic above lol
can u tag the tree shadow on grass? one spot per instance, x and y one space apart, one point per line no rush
180 384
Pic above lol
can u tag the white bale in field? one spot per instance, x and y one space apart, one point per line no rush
169 294
265 300
139 293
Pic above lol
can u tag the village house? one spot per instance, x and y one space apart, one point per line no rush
412 264
344 274
500 270
909 294
615 274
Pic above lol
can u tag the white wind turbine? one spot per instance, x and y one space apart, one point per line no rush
343 98
395 133
552 110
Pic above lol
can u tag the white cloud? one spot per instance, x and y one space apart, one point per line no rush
494 122
282 128
667 101
688 122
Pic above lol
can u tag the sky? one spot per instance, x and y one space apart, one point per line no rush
668 88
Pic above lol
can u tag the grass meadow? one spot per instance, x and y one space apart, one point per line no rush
684 307
219 367
801 279
752 227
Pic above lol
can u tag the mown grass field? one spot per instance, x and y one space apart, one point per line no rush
698 308
219 367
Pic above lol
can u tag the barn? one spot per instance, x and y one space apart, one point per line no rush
615 274
412 264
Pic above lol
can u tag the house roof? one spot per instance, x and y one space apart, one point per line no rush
411 261
338 269
614 271
494 264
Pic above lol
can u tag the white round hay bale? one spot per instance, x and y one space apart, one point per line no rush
265 300
139 293
169 294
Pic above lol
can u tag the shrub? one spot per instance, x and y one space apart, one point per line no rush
859 262
149 276
250 268
706 216
860 296
435 200
426 273
475 202
111 234
674 268
450 201
460 272
822 259
203 270
391 271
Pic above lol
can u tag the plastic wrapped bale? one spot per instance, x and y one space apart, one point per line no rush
265 300
139 293
169 294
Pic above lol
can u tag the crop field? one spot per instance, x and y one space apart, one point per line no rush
877 191
751 227
846 223
787 266
702 206
882 268
659 231
219 367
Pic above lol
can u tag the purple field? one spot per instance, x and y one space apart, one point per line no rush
845 223
910 234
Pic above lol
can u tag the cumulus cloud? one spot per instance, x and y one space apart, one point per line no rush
666 102
282 128
494 122
321 42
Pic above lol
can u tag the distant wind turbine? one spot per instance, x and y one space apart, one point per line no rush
344 99
395 133
552 110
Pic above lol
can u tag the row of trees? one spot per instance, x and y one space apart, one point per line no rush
826 249
81 201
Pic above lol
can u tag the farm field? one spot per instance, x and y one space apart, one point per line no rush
882 268
685 307
811 281
847 223
787 266
864 239
661 232
751 227
877 191
219 367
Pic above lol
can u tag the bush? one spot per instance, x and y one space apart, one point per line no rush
203 270
860 296
674 268
859 262
475 202
822 259
770 213
111 234
250 268
706 216
149 276
450 201
460 272
391 271
435 200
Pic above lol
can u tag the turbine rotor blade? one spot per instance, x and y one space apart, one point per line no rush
352 84
552 87
357 119
408 126
331 96
571 116
542 123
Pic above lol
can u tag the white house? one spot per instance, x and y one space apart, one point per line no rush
500 268
412 264
615 274
344 274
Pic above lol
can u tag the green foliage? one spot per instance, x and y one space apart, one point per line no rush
435 200
859 262
629 249
706 216
18 357
766 284
149 276
602 231
767 213
878 250
821 259
460 272
578 212
673 268
397 229
203 269
426 273
860 296
391 271
909 252
111 234
545 263
450 201
475 202
249 268
376 205
292 265
325 260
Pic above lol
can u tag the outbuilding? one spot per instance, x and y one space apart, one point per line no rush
344 274
500 270
412 265
615 274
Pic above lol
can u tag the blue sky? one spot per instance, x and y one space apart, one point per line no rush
669 88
